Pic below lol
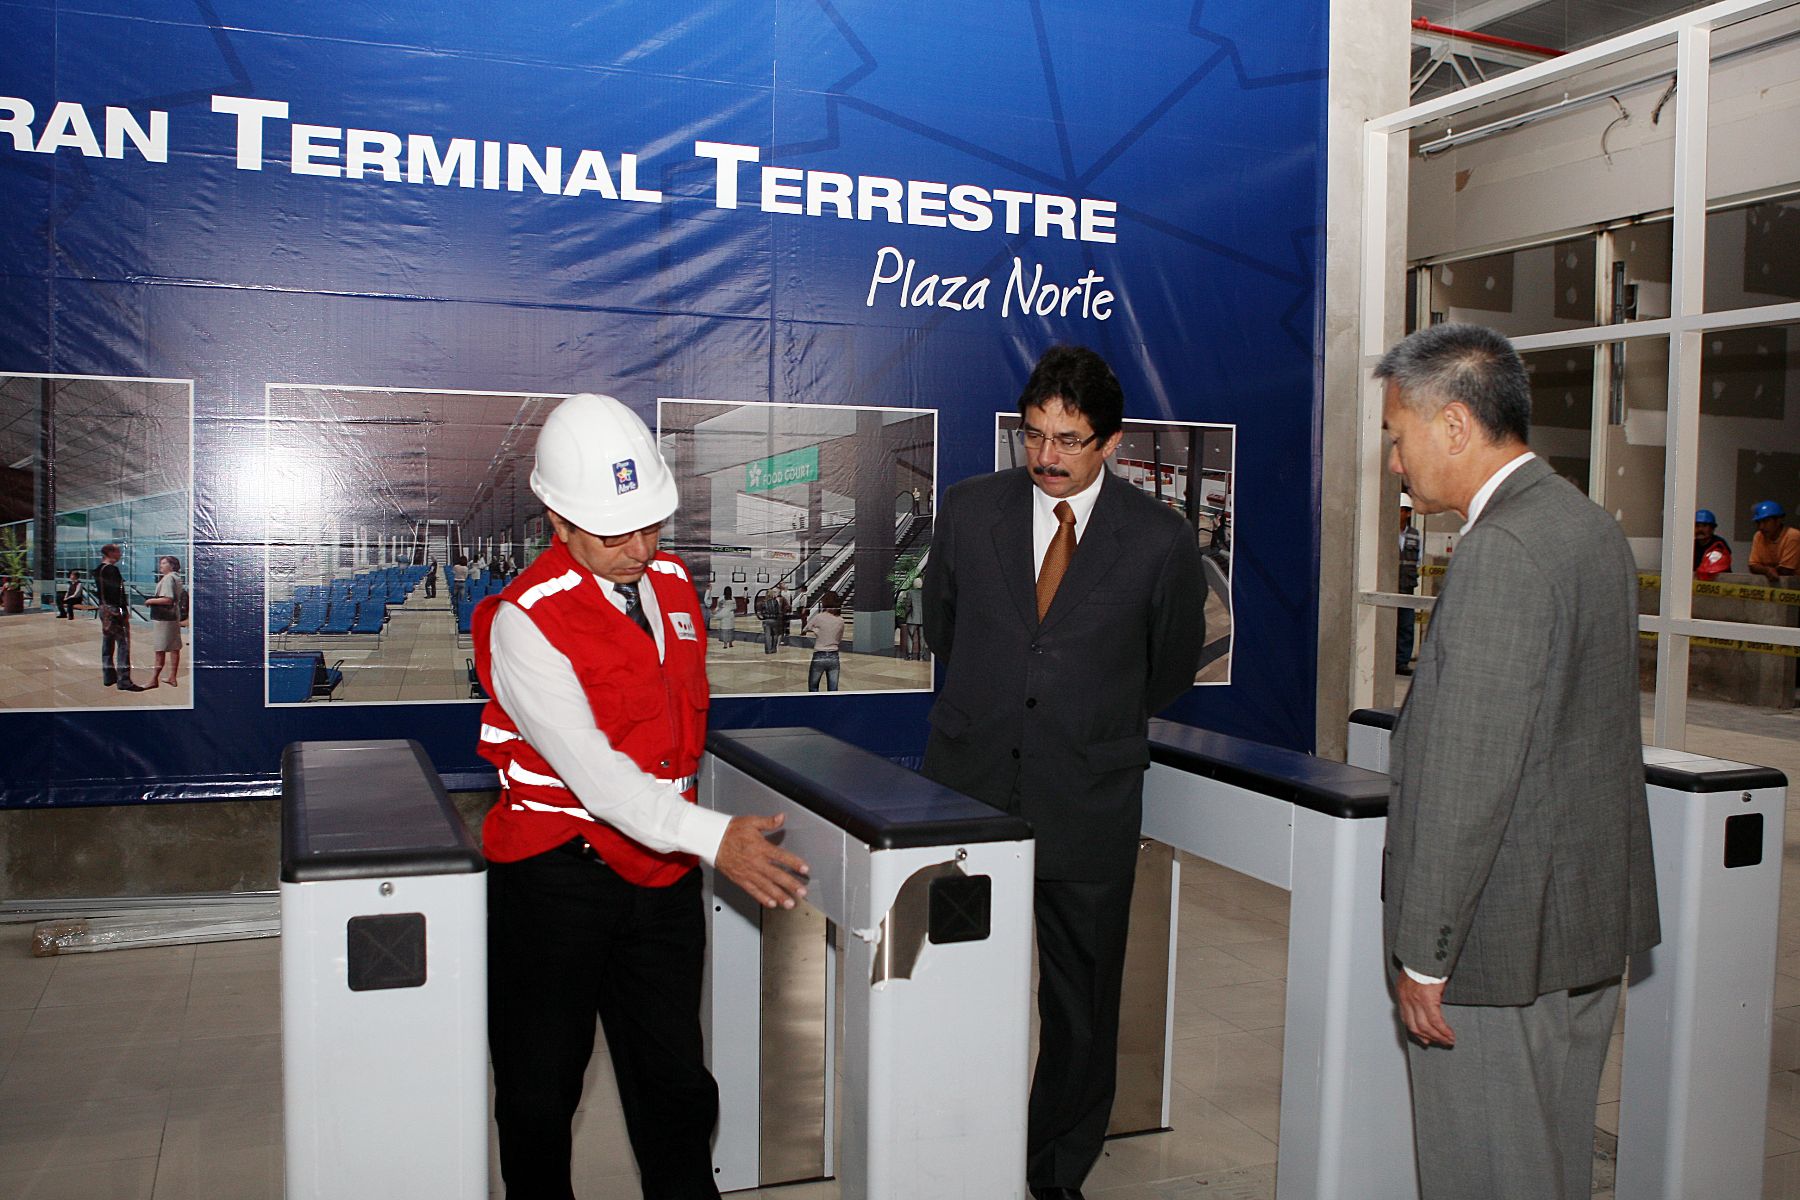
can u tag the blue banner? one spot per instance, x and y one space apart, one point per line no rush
285 291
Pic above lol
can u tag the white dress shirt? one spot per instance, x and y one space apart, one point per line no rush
536 684
1482 496
1487 490
1044 522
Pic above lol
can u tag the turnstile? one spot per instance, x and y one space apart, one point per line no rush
1694 1083
383 978
929 897
1315 828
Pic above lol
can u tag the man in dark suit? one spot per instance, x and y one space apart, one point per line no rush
1066 607
1518 872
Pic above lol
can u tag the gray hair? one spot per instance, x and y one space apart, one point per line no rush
1467 363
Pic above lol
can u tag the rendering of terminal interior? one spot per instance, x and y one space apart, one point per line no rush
372 585
278 985
90 462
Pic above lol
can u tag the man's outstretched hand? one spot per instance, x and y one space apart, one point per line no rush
773 877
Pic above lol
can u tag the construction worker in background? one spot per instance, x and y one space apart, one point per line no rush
1412 546
1712 553
596 663
1775 550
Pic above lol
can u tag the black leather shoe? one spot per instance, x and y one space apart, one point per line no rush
129 686
1057 1193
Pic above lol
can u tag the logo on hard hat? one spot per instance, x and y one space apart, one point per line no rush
625 476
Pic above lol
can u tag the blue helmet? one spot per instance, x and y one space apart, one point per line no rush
1705 517
1768 508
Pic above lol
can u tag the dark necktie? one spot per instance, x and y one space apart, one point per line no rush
633 607
1056 558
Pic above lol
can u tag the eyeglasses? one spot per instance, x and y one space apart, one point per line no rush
1068 443
612 541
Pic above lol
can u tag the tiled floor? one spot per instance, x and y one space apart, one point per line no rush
155 1074
46 662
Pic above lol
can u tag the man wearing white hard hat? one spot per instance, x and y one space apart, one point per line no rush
595 656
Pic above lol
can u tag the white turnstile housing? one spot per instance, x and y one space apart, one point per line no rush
383 979
1315 828
1694 1083
930 894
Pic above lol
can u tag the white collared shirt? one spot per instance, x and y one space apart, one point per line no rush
537 686
1043 516
1488 489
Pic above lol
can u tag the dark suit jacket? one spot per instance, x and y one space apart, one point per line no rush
1518 845
1049 720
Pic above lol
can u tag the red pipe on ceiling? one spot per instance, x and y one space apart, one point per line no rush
1486 39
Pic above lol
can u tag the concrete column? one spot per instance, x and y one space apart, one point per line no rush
44 557
691 535
875 550
1367 77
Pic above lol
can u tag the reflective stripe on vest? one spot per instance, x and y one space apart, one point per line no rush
526 775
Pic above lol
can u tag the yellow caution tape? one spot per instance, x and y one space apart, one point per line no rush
1740 591
1734 644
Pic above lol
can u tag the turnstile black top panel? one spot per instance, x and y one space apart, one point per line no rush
1333 788
879 803
1380 718
1686 777
1677 777
362 810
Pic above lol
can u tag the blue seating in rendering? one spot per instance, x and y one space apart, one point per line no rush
370 617
310 617
296 676
341 616
281 616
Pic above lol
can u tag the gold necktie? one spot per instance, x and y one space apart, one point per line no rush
1056 558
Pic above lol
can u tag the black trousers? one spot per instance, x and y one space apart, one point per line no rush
1081 928
115 647
568 940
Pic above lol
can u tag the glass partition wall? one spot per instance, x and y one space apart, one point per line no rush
1629 214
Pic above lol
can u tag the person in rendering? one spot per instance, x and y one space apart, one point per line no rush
167 609
768 609
727 620
826 628
115 621
1518 874
1712 553
73 596
1775 549
1066 607
596 663
912 625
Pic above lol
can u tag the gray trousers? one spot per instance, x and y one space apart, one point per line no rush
1508 1112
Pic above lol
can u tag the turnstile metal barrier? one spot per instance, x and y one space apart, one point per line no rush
1694 1083
383 978
928 896
1315 828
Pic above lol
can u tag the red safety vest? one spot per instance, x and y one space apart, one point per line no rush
654 713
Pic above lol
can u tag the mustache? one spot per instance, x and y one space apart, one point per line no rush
1053 472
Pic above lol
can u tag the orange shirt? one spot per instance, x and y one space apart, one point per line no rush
1783 554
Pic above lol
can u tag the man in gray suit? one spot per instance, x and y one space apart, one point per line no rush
1066 607
1518 873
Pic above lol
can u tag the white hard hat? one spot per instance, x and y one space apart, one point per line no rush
598 466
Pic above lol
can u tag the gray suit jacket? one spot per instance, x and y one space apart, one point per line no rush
1049 720
1518 847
